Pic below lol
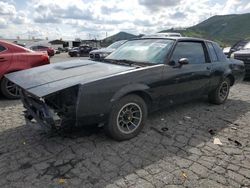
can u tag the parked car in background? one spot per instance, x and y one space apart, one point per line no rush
73 52
14 58
100 54
42 48
162 35
244 55
141 76
237 46
82 50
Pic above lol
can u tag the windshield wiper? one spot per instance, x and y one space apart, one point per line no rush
127 62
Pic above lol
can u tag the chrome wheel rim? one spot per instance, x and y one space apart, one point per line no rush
223 92
12 89
129 118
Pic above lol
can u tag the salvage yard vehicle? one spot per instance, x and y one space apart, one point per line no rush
142 76
42 48
237 46
100 54
14 58
244 55
82 50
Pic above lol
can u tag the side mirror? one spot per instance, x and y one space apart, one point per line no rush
183 61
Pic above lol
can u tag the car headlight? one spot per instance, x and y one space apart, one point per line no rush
104 55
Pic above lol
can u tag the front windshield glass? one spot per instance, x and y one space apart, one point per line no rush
247 46
117 44
146 50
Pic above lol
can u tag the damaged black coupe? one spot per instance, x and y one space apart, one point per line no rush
141 76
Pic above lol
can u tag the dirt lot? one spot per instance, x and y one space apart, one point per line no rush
174 150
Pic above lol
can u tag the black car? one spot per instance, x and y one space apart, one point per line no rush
100 54
82 50
142 76
244 55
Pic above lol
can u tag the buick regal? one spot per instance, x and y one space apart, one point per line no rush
142 76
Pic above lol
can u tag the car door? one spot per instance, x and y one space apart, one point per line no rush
5 59
187 81
219 64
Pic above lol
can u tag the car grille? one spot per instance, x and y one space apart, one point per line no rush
97 56
244 58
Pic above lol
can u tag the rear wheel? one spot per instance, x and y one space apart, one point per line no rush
220 94
9 89
127 118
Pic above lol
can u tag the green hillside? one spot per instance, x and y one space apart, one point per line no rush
225 29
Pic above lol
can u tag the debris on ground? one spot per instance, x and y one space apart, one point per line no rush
187 118
234 128
237 143
217 141
161 131
164 129
62 181
184 175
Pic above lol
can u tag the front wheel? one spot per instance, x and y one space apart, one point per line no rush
9 89
220 94
127 118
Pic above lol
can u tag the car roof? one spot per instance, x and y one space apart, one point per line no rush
179 39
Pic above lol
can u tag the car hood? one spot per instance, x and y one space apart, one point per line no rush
44 80
103 50
243 52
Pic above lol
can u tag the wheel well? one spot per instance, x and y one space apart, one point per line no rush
146 97
231 78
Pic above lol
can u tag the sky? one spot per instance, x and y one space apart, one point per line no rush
88 19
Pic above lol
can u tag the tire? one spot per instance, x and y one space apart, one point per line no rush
220 94
9 90
122 125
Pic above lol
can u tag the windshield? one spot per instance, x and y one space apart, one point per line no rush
117 44
147 50
247 46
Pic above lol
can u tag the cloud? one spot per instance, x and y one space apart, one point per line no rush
178 15
3 23
79 18
20 18
54 13
7 9
109 10
155 5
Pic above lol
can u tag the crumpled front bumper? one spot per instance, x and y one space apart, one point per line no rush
37 110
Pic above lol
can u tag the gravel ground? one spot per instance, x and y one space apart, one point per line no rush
174 150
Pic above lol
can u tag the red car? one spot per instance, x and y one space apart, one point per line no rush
14 58
41 48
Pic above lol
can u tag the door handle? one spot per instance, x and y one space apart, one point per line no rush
208 68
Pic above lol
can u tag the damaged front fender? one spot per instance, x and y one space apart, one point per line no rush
57 110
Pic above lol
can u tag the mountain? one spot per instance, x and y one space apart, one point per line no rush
225 29
119 36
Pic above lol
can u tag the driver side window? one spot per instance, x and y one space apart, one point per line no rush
193 51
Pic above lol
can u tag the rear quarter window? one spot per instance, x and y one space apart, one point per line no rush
221 56
212 52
